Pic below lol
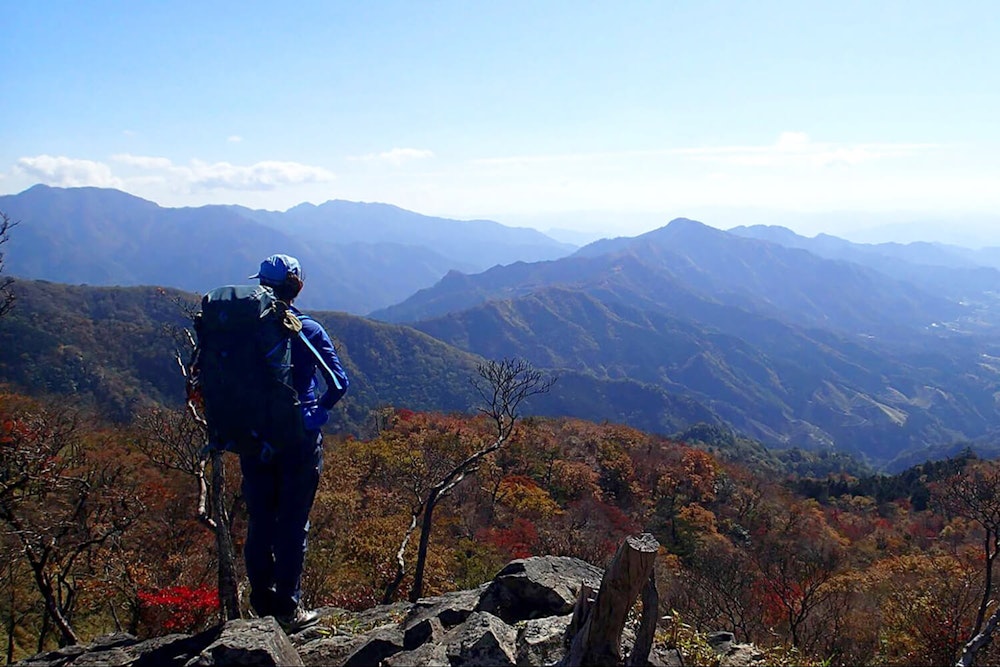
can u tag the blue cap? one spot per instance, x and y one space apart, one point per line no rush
275 269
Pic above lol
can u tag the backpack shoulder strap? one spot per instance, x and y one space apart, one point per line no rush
298 318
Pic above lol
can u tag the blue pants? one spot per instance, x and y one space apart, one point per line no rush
279 495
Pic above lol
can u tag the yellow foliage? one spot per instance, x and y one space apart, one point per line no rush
925 605
698 519
526 499
572 480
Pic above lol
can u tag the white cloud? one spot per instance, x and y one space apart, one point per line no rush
260 176
266 175
137 171
62 171
234 139
396 156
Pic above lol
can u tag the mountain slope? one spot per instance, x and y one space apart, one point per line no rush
357 257
942 270
797 286
772 381
787 346
686 265
113 345
476 243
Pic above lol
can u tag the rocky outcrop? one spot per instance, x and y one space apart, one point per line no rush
538 587
519 618
257 642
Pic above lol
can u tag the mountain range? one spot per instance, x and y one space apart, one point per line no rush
357 257
948 270
818 343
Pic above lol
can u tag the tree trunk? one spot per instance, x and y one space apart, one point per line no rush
581 612
390 590
968 656
11 626
599 636
67 635
11 620
43 631
425 536
229 599
639 655
991 554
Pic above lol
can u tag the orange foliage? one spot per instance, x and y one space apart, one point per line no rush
740 551
524 498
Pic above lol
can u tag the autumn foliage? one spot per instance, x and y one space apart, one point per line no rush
817 567
178 608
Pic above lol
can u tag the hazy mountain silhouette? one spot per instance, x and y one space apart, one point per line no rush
477 244
940 269
686 264
357 257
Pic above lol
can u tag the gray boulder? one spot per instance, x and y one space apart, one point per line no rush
482 641
329 650
106 650
519 618
538 586
258 642
743 655
428 655
541 641
430 617
376 646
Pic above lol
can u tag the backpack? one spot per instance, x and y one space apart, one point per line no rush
243 370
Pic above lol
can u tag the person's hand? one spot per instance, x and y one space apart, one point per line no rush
313 417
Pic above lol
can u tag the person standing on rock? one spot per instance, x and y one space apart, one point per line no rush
280 491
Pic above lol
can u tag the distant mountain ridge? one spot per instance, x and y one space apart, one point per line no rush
358 257
478 244
788 347
687 263
941 269
917 252
870 352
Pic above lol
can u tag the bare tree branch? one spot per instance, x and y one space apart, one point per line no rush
503 386
6 295
972 647
975 494
179 442
63 506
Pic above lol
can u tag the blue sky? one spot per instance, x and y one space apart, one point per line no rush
595 116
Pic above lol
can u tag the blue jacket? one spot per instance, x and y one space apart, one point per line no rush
305 365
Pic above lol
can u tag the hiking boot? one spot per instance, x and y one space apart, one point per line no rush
298 620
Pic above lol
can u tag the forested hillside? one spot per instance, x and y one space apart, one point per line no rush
837 570
809 554
117 348
780 547
815 345
653 370
787 347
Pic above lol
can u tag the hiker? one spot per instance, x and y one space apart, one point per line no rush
279 491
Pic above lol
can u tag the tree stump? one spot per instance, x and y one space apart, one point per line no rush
596 627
